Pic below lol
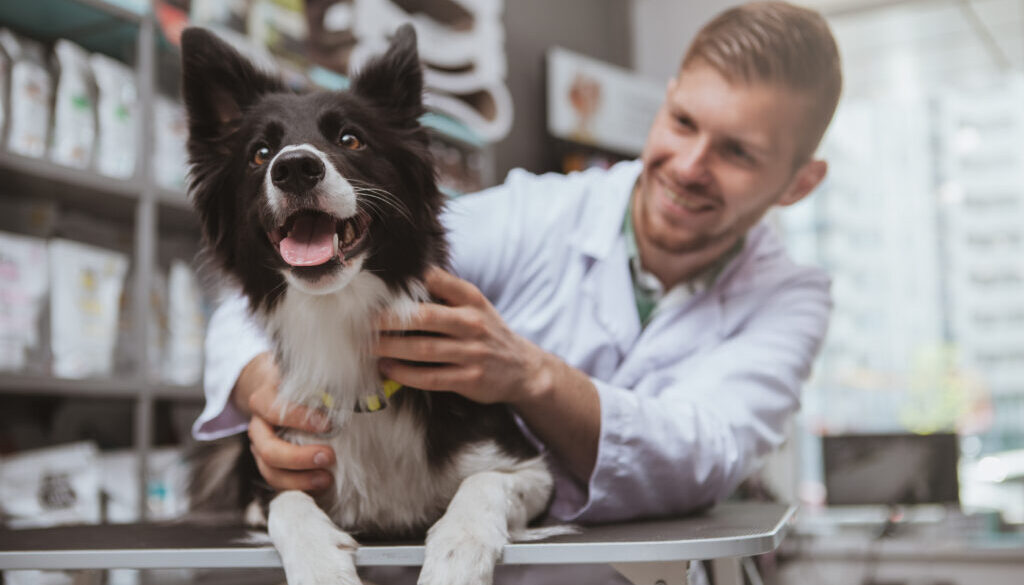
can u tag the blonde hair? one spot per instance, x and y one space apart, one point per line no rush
781 44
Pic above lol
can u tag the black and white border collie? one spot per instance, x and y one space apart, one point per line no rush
323 206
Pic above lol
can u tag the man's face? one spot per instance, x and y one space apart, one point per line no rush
718 156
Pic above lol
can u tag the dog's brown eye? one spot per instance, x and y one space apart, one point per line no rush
351 141
261 156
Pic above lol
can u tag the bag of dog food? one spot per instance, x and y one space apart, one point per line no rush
116 112
131 352
52 486
30 92
74 114
87 283
23 285
166 485
183 363
170 160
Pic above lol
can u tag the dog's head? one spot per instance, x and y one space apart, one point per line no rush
306 190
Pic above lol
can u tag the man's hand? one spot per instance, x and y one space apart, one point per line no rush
283 465
464 346
467 349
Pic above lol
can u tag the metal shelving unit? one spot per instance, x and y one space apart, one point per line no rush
127 387
137 201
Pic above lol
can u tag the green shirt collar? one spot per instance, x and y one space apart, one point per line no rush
647 289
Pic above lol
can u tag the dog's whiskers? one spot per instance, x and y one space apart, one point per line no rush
372 194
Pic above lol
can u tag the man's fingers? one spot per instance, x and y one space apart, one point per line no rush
419 348
281 454
429 317
445 378
450 318
283 479
266 406
452 289
459 322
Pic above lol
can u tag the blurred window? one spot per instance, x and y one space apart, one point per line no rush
921 225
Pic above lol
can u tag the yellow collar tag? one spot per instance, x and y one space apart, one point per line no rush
370 402
327 400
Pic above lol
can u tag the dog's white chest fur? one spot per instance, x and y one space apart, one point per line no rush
323 345
323 342
382 479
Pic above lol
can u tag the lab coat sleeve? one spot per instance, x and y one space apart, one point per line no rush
688 435
233 338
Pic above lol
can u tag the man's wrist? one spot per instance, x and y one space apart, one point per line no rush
247 382
540 381
561 407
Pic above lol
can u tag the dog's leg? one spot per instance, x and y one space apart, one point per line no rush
464 545
313 550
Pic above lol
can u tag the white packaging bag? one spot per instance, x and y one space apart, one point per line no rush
131 352
74 112
117 116
166 485
119 482
183 363
87 283
30 92
23 286
51 487
170 159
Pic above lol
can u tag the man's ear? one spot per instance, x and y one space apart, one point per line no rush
218 84
394 80
806 179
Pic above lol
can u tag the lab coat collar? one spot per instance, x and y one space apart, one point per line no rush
601 225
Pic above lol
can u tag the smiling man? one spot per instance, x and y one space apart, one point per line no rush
643 322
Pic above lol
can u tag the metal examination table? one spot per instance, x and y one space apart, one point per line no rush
644 552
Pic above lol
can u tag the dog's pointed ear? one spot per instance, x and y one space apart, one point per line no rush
218 83
394 80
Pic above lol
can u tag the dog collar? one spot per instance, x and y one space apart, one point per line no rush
370 402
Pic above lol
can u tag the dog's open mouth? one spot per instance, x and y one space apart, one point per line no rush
314 238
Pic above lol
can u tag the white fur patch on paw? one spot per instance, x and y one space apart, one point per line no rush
462 550
313 550
332 566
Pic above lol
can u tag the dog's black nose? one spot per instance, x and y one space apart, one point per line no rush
297 171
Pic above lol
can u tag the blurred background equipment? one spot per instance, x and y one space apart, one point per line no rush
891 470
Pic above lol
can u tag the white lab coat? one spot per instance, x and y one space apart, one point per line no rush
689 404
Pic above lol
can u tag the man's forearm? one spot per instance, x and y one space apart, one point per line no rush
259 371
564 411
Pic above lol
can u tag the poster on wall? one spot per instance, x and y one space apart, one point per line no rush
598 104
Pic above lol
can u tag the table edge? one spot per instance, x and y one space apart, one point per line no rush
539 553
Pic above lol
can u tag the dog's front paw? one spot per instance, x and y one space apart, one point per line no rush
328 565
462 551
313 551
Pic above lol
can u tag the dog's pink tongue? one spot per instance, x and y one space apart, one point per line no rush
311 241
